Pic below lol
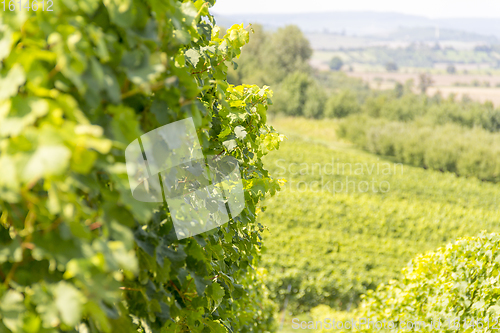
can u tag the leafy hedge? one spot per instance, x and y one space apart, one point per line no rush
433 110
451 148
78 253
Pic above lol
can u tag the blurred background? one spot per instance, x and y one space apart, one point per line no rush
369 84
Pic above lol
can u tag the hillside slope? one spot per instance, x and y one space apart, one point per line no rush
331 245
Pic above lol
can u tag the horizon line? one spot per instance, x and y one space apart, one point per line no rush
360 11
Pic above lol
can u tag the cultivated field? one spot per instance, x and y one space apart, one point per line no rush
374 58
446 84
475 93
440 80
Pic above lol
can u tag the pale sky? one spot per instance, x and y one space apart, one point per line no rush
427 8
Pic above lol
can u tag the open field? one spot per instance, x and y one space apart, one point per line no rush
473 86
475 93
426 58
322 41
479 82
440 80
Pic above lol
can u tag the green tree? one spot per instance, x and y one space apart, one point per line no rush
409 86
374 104
425 81
391 67
315 102
78 252
342 104
336 63
292 94
399 90
286 51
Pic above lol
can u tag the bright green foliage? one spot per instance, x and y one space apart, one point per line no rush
455 284
78 253
250 64
332 246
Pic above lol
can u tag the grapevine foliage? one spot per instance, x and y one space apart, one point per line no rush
78 253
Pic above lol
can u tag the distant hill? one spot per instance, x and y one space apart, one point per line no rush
434 33
403 37
383 25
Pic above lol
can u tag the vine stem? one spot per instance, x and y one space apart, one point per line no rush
11 274
133 92
209 67
54 71
28 226
201 9
178 291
